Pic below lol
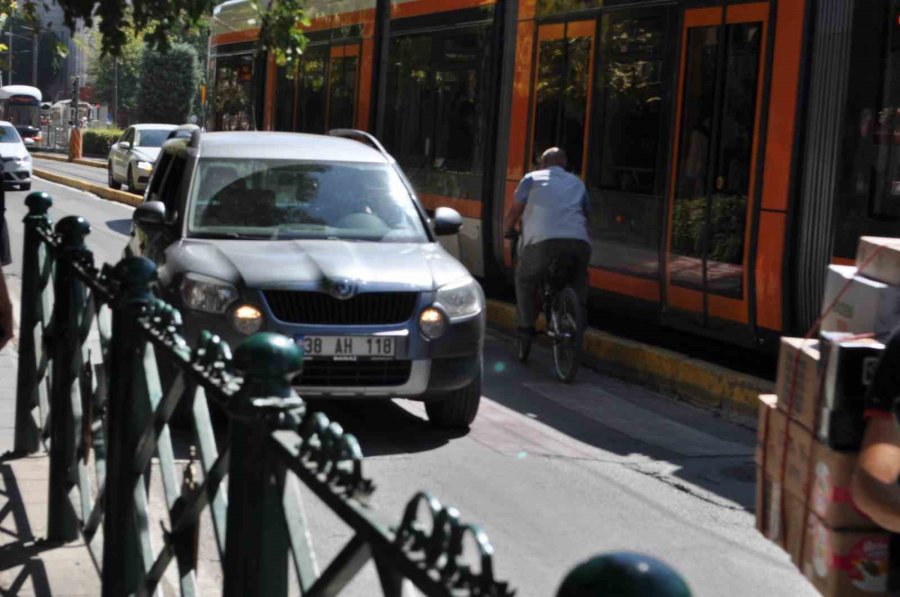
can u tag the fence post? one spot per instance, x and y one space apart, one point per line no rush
28 432
123 566
256 547
68 297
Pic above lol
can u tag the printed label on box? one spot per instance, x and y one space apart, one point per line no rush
868 565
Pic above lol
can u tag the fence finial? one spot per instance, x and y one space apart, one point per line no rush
268 362
623 573
134 275
72 231
38 203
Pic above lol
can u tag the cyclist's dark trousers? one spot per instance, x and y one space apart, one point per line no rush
534 261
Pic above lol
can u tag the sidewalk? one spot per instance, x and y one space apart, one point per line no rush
29 566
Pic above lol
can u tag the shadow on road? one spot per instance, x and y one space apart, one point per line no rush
120 226
18 546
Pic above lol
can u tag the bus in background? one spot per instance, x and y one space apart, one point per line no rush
21 106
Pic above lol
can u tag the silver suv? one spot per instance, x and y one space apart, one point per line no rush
320 238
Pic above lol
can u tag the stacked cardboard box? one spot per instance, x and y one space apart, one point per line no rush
810 430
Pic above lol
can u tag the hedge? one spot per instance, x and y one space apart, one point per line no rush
96 142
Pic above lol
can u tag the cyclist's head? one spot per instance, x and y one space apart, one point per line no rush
554 156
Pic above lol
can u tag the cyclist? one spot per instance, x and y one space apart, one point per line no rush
554 208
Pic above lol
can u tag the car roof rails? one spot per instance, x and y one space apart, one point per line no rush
363 137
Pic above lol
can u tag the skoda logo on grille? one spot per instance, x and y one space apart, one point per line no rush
342 289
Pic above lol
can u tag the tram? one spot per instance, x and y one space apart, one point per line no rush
731 149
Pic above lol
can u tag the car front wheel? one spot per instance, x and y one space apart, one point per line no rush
456 409
132 185
110 179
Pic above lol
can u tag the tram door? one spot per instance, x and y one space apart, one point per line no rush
716 151
343 75
565 63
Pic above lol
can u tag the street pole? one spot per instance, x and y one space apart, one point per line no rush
34 57
115 102
9 54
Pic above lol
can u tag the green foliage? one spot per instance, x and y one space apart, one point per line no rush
168 83
726 227
98 141
127 68
281 32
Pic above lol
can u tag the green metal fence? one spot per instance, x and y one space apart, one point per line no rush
90 391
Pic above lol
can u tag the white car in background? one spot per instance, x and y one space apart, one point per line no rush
131 158
15 157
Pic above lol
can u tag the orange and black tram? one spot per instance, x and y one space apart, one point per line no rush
731 149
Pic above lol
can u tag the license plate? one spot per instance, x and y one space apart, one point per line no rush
349 347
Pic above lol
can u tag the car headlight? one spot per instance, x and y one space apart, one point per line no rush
26 159
210 295
459 299
247 319
433 323
148 166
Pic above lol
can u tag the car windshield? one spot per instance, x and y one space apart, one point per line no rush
286 199
151 137
9 134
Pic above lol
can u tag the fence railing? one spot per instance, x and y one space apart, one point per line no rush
103 367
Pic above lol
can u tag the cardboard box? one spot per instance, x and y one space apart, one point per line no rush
813 473
866 306
849 363
800 377
885 266
845 563
769 516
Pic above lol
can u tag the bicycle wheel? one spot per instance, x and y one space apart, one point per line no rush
568 321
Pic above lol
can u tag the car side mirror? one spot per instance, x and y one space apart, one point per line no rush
446 221
150 215
124 145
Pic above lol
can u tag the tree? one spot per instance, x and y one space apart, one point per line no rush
159 21
106 71
168 82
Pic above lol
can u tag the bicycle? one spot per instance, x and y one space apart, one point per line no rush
563 312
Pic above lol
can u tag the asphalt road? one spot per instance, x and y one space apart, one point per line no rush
552 473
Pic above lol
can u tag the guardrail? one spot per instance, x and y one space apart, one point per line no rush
102 368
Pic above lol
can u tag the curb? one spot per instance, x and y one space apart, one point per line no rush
99 190
732 393
62 158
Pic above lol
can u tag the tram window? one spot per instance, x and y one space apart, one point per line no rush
625 170
630 85
434 124
715 158
342 92
233 101
284 101
560 110
312 92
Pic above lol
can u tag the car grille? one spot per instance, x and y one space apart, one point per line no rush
320 308
354 373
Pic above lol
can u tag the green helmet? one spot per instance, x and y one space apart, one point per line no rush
623 574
